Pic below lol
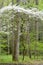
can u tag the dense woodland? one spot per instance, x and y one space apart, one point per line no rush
21 34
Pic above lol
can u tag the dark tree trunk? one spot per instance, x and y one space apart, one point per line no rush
36 2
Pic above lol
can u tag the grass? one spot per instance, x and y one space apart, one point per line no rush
5 58
8 59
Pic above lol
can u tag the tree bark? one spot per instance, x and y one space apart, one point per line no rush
36 2
16 37
36 36
28 39
16 40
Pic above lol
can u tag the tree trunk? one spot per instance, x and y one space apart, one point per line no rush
0 37
36 2
16 39
28 39
36 37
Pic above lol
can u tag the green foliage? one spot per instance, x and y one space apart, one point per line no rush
28 4
8 59
34 44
